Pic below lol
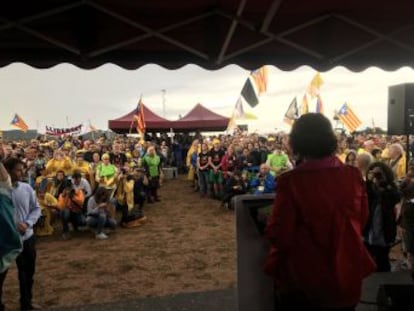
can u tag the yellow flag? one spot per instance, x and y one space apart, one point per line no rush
232 124
249 116
315 85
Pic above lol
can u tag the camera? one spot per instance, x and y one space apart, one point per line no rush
71 193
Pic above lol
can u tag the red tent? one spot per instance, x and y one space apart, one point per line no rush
201 119
154 122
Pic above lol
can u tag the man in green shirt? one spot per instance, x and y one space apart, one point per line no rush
152 165
278 161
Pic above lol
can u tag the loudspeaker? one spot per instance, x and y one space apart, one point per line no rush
395 297
401 109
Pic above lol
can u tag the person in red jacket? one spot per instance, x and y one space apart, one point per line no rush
317 257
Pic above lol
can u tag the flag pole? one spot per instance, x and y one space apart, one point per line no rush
172 135
132 123
133 118
407 151
93 132
163 91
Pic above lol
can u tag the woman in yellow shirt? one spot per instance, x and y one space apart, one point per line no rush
84 168
48 203
397 160
59 162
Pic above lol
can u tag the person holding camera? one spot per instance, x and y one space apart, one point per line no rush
381 229
234 186
100 214
70 203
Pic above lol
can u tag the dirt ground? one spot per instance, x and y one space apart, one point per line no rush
187 244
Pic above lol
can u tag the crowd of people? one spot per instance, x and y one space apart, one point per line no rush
85 183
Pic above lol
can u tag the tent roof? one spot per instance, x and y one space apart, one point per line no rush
152 121
211 33
202 119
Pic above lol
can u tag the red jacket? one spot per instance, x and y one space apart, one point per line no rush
315 231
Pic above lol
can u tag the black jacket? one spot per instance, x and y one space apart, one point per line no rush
387 199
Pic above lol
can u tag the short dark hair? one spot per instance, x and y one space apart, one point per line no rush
61 171
67 184
312 136
11 163
101 195
388 173
77 175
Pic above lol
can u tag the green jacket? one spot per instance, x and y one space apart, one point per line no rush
10 241
152 164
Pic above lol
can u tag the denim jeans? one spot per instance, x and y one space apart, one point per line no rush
77 219
100 221
203 181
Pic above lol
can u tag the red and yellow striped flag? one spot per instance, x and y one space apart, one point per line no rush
139 118
260 79
19 123
347 116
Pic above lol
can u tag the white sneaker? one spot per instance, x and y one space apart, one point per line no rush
101 236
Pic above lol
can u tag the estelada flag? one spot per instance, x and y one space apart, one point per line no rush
347 116
139 118
259 77
19 123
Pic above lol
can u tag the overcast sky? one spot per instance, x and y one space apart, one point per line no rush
66 95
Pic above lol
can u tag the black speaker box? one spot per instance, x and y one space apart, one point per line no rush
401 109
396 297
